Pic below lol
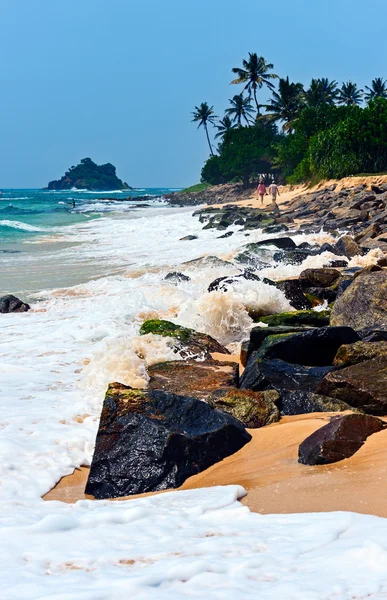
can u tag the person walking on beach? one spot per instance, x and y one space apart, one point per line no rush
274 191
261 189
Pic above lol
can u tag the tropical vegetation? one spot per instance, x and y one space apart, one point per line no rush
303 133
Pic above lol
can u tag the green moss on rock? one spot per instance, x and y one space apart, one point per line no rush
298 317
166 329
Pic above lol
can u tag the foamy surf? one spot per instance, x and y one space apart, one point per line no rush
55 363
19 225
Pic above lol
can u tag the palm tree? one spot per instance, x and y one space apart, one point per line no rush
321 91
204 114
378 89
349 94
286 104
223 126
240 109
255 72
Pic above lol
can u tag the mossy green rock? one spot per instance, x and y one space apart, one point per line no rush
352 354
253 409
299 317
189 341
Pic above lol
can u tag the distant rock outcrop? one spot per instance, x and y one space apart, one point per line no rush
88 175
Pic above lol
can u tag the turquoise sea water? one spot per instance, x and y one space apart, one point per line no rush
42 234
26 214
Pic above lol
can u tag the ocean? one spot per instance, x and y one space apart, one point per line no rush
92 275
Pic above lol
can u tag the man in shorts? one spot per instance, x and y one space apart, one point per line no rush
274 191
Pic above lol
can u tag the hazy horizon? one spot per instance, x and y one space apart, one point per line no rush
117 81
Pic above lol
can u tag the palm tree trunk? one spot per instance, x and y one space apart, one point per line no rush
208 139
255 98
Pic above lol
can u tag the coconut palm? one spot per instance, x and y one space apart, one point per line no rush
240 109
255 72
321 91
204 114
378 89
349 94
223 126
286 104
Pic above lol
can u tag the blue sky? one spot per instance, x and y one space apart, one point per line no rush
116 80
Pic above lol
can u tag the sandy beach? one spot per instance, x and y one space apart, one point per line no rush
275 482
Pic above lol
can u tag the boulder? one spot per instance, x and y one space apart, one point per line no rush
176 277
285 243
352 354
188 341
188 238
363 385
221 283
347 247
292 257
322 293
363 304
318 277
339 439
259 334
294 293
368 269
226 235
373 335
193 378
312 318
316 347
300 402
278 374
154 440
253 409
10 304
244 353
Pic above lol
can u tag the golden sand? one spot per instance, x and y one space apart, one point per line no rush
268 469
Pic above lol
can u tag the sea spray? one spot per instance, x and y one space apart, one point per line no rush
125 360
225 315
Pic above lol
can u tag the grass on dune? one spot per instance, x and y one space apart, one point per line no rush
199 187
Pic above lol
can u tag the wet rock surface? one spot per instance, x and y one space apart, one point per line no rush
364 303
363 385
314 348
10 303
154 440
188 341
310 318
301 402
253 409
351 354
318 277
264 374
192 378
339 439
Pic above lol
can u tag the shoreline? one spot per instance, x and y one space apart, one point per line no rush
275 482
268 468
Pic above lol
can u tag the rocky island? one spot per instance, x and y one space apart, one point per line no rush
88 175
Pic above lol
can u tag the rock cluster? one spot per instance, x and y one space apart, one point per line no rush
333 359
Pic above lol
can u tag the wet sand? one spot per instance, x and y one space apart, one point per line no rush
268 469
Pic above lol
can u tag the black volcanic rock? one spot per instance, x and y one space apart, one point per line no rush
266 374
10 304
88 175
339 439
154 440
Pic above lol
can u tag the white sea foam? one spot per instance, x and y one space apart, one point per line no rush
20 225
55 362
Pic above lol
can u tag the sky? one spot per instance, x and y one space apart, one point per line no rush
117 80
